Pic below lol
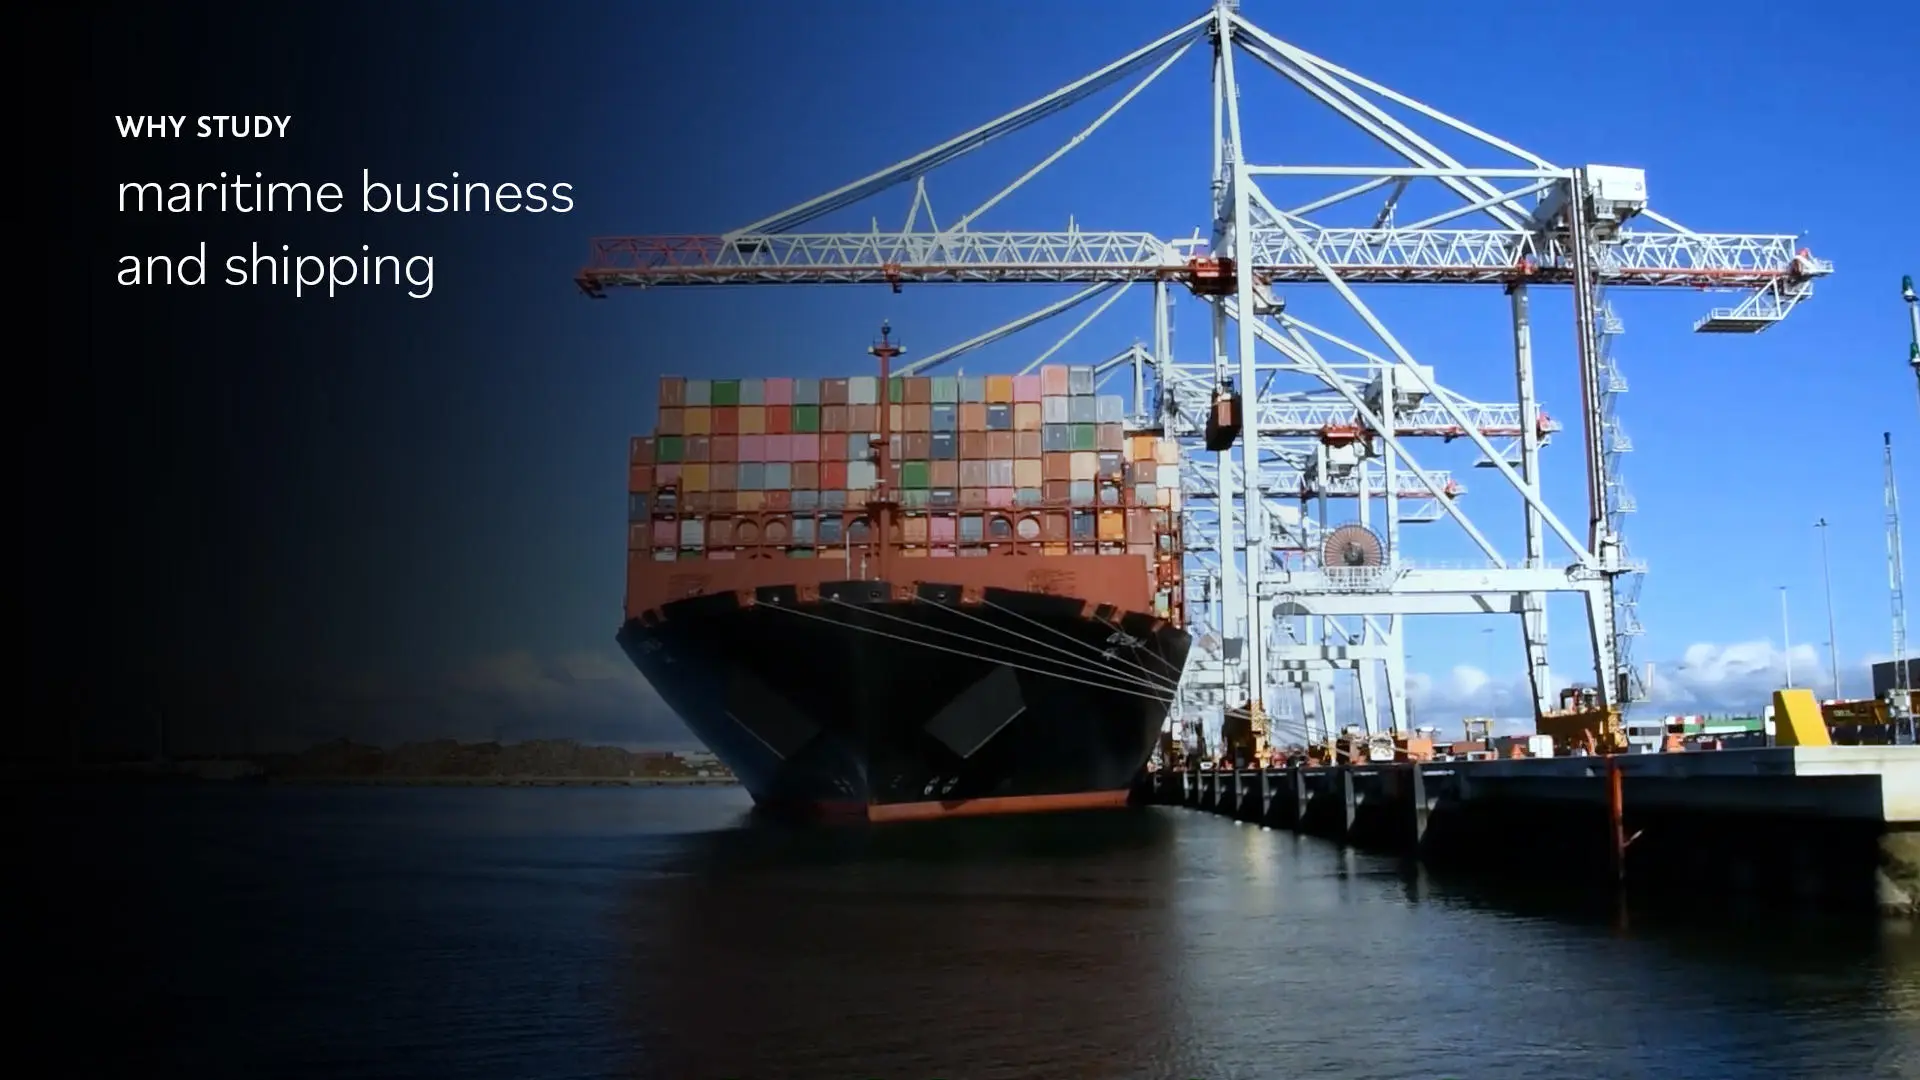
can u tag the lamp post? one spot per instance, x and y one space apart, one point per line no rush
1786 639
1833 641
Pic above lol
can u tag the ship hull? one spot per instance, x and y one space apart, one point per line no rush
858 702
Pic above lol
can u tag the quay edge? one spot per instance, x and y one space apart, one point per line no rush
1828 827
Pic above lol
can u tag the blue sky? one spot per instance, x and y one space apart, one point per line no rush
1747 118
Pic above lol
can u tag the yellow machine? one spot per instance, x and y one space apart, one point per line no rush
1582 721
1243 734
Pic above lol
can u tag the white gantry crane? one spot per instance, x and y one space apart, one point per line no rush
1285 597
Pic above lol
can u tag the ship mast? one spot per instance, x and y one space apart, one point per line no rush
880 507
1901 706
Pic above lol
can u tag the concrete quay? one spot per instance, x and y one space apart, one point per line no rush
1833 827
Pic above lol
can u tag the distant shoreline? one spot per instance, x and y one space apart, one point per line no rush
505 781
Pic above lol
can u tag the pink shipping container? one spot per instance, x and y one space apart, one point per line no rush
666 474
1000 496
943 530
1053 380
803 447
779 448
942 553
753 448
779 392
1027 388
666 534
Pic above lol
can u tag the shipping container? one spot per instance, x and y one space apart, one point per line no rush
981 465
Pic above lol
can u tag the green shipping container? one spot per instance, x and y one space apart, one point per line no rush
669 449
726 391
897 390
805 419
915 474
946 390
1086 437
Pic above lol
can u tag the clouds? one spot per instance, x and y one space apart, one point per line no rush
590 696
1707 678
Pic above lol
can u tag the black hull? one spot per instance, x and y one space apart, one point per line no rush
914 708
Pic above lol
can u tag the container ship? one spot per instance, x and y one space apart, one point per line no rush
965 598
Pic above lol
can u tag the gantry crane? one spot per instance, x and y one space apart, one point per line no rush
1261 566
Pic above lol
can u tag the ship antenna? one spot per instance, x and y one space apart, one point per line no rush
881 506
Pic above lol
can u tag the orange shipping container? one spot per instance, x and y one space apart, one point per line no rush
946 474
1056 467
694 477
1001 444
673 391
1113 525
753 419
833 391
1055 492
726 420
748 501
863 418
973 445
779 419
1027 444
672 422
640 478
1140 448
780 499
699 421
806 475
973 417
1053 380
917 417
914 529
1026 416
833 418
1028 473
640 450
917 445
999 389
918 390
1058 526
723 448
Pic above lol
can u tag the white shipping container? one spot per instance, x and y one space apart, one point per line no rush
693 533
863 390
1056 410
699 392
861 475
1167 476
1540 745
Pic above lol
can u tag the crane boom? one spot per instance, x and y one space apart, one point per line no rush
1456 256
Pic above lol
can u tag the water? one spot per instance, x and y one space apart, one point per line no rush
481 933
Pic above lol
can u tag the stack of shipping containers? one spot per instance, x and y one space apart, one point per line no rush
981 465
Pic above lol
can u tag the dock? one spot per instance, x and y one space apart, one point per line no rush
1833 827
